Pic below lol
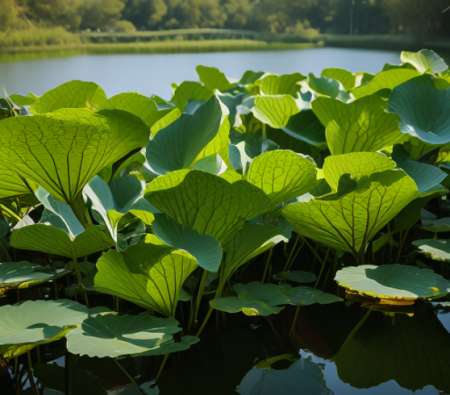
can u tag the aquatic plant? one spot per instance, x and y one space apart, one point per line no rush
126 222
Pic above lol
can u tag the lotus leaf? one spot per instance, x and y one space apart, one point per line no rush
53 240
346 78
171 346
305 126
114 336
349 218
328 87
139 105
393 282
251 241
253 299
423 110
213 78
384 80
305 296
27 325
113 201
206 249
190 90
186 140
250 77
72 94
275 111
207 203
63 150
424 61
12 184
286 84
362 125
148 275
435 249
25 274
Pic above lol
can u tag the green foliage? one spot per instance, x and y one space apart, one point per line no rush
225 197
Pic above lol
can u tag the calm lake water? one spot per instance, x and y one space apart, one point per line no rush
153 74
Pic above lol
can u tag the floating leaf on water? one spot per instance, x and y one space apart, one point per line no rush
434 248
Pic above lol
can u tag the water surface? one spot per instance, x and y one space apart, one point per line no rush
153 73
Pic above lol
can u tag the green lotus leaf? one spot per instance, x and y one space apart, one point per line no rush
207 203
303 374
413 352
385 80
148 275
253 299
423 110
178 145
305 126
328 87
22 101
113 336
436 225
282 175
63 150
213 78
72 94
251 241
206 249
346 78
52 240
250 77
61 210
357 165
32 323
171 346
393 281
297 276
275 111
426 177
425 61
139 105
349 218
190 90
362 125
112 202
436 249
12 184
286 84
165 121
25 274
305 296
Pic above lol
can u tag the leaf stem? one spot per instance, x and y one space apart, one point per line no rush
201 288
166 357
79 209
79 277
132 380
321 269
294 321
353 333
267 265
30 373
292 252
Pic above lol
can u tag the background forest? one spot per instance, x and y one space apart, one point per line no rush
418 17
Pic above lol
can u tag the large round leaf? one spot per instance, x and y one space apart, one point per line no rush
424 61
206 249
305 126
285 84
362 125
394 281
253 299
72 94
63 150
213 78
434 248
207 203
114 336
275 111
27 325
25 274
149 275
423 110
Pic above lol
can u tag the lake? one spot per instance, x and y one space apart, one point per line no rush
152 74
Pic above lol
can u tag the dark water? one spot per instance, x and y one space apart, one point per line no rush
153 74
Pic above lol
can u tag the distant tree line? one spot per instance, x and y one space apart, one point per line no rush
420 17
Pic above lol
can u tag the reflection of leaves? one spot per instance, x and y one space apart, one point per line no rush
303 374
414 352
214 366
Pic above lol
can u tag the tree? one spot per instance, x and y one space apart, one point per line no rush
65 13
101 13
